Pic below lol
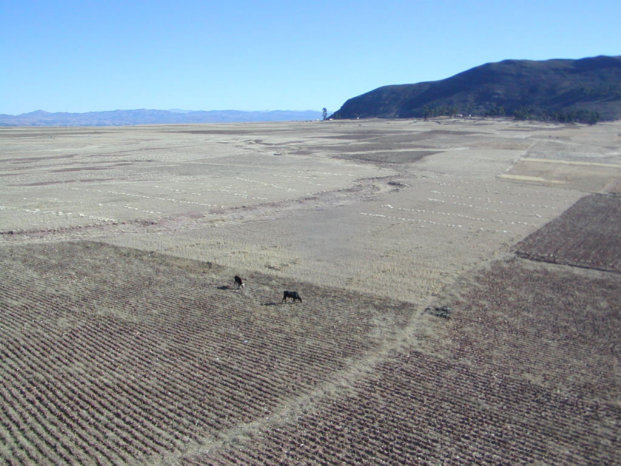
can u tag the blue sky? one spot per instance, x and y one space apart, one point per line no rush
85 55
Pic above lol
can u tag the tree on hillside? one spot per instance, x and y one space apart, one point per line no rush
324 113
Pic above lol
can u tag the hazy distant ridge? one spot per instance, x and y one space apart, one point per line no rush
588 89
151 117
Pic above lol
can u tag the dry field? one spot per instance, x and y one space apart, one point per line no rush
587 235
124 340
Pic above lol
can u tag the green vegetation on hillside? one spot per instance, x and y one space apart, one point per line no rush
585 91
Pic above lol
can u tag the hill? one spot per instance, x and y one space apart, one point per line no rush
152 117
585 90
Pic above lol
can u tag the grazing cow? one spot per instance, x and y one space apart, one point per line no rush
291 294
239 281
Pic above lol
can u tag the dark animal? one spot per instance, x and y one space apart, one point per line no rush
239 281
441 311
291 294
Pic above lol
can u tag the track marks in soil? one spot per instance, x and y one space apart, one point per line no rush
524 371
417 408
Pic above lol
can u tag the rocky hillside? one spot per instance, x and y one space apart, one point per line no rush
585 90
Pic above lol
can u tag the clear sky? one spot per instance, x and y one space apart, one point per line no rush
91 55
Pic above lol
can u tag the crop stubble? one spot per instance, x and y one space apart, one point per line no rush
127 355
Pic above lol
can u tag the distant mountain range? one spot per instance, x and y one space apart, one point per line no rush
152 117
585 90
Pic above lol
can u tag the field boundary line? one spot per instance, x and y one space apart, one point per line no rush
572 162
541 258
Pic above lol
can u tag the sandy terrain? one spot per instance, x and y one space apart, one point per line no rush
398 208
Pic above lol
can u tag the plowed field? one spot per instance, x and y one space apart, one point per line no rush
530 375
127 356
586 235
119 355
419 409
554 325
124 340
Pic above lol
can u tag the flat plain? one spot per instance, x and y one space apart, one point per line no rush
124 338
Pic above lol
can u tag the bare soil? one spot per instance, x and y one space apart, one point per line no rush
587 235
125 340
